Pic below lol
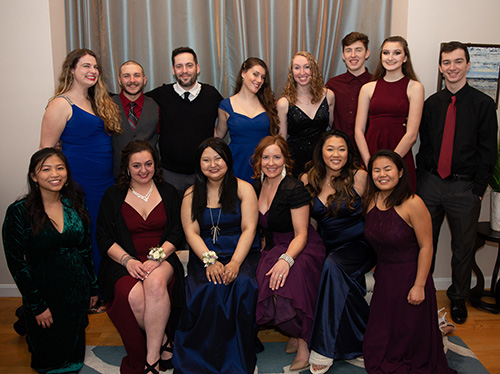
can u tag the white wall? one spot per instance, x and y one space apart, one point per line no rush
26 64
426 24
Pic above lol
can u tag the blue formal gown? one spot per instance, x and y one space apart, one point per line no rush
341 311
217 331
90 156
245 133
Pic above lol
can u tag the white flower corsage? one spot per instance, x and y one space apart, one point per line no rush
156 254
209 258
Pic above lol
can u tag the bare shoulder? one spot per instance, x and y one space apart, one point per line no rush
188 194
245 190
330 95
304 179
282 104
415 206
415 86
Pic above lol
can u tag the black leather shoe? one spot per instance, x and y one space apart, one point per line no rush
458 311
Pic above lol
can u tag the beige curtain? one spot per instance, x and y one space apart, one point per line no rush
223 33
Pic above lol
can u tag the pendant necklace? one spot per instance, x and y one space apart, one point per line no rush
214 230
143 197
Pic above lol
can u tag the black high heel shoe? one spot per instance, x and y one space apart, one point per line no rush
166 364
151 368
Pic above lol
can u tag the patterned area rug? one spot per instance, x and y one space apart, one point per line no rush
274 360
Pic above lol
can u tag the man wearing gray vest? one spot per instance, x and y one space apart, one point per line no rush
140 114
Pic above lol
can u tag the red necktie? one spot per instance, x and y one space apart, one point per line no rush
444 165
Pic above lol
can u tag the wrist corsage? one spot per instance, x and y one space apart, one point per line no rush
156 254
209 258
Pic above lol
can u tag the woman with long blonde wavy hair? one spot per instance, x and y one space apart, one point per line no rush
82 115
305 110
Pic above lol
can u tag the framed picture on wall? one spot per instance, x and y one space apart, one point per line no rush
484 73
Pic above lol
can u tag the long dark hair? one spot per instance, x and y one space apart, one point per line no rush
407 67
401 192
70 191
228 191
132 148
265 94
342 184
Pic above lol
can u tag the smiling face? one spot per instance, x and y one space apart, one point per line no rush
454 67
212 165
254 78
185 70
272 162
393 56
354 57
131 79
141 167
51 174
385 174
335 154
301 70
86 71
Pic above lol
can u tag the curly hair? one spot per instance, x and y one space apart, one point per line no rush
317 83
102 105
70 191
130 149
343 183
407 67
263 144
265 94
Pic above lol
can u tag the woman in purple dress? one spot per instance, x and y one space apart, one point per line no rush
402 335
392 105
290 265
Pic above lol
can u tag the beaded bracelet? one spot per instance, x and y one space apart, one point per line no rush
126 260
288 259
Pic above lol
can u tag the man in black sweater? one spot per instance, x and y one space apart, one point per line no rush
189 110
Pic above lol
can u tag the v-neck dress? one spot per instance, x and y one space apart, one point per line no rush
304 132
52 270
245 133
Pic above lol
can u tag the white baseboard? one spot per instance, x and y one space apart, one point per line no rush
9 290
442 284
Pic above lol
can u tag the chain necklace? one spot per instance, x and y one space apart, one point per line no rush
143 197
214 230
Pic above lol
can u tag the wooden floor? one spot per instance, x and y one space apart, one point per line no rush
481 333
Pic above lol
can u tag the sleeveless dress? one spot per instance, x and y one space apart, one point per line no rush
304 132
52 270
245 133
388 115
342 310
289 308
90 157
145 234
217 332
400 337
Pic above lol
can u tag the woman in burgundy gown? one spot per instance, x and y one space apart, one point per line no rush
139 213
290 266
390 107
402 335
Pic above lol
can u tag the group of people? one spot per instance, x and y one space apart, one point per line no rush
282 224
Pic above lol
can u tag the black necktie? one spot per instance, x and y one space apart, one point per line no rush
186 96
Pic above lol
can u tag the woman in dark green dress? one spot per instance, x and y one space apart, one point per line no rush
46 237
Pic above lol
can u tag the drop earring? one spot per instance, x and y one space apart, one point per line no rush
283 172
261 176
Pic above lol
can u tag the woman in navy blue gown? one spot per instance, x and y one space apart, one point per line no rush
82 115
217 330
341 311
250 114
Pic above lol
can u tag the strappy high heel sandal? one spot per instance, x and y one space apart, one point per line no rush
151 368
445 326
166 364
